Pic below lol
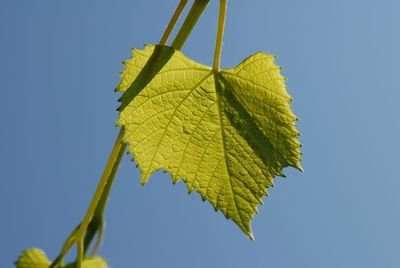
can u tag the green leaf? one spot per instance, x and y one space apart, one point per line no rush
226 134
32 258
36 258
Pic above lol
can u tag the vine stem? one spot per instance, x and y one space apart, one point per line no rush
78 234
220 35
117 151
194 14
82 236
106 179
173 22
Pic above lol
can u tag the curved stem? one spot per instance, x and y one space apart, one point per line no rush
97 222
173 22
191 20
78 234
99 240
220 35
119 148
65 248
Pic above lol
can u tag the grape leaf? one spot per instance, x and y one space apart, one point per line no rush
33 258
226 134
36 258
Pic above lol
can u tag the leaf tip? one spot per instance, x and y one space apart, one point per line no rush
143 181
251 236
299 167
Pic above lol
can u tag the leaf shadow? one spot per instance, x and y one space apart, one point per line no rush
247 127
158 59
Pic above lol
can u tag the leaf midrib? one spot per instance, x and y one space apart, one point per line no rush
216 74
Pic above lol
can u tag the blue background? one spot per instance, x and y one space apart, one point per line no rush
59 64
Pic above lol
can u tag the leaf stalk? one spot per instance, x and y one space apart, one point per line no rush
194 14
220 35
173 22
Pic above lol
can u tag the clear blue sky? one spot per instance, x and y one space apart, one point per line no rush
59 64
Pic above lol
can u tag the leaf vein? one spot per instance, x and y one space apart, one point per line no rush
191 135
173 116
